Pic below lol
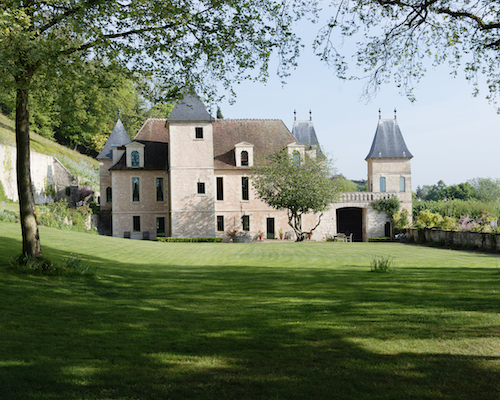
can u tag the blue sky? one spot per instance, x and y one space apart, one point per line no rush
452 135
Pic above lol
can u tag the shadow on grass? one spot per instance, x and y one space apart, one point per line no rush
198 332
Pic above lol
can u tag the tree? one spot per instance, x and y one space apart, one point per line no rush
297 187
195 44
487 189
400 34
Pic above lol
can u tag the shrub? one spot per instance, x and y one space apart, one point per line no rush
188 240
76 265
8 216
37 266
427 220
3 197
382 264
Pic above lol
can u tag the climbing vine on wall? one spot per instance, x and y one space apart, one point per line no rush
390 206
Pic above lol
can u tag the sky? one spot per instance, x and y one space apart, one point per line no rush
452 135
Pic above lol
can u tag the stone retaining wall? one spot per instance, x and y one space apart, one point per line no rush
479 240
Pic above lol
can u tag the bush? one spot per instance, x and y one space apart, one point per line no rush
76 265
188 240
8 216
37 266
379 239
382 264
3 197
71 266
458 208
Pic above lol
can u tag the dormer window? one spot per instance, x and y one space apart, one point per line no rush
244 158
243 153
135 155
134 158
296 158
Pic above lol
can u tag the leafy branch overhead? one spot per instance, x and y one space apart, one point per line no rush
394 37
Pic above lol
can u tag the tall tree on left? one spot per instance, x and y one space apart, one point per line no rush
188 44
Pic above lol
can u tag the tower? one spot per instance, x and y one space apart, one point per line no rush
191 159
107 158
389 163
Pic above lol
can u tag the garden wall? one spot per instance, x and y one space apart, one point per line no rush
486 241
45 171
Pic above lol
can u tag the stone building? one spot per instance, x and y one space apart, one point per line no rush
188 176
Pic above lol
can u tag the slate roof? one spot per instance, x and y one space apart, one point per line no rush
189 108
388 141
154 136
304 132
118 137
154 130
155 158
267 136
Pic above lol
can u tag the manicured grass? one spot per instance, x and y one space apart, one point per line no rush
249 321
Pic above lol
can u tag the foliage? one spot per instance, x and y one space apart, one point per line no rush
390 206
379 239
457 208
76 264
487 189
59 215
462 191
299 188
345 185
71 266
394 37
8 216
3 197
427 219
401 220
37 266
382 264
188 240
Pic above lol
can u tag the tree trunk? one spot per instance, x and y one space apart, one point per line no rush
29 227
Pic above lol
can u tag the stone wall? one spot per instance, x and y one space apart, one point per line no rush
479 240
45 171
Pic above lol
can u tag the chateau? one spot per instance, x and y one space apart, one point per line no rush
188 176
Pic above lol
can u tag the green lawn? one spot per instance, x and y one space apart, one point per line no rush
249 321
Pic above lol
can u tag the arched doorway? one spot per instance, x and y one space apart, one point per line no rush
350 220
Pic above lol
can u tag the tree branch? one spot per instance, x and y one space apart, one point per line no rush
464 14
69 12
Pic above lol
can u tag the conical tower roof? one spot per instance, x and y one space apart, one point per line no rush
388 141
118 137
189 108
303 132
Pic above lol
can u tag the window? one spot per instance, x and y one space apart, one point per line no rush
296 157
159 189
198 133
134 158
160 226
402 183
220 223
244 188
135 189
220 189
244 158
109 195
382 184
137 223
246 222
201 187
